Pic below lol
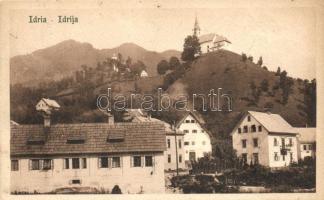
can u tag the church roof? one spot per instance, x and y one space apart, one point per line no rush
212 37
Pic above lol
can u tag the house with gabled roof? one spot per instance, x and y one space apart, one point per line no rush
197 139
213 42
307 142
88 155
265 138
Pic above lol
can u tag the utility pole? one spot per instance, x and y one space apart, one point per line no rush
176 146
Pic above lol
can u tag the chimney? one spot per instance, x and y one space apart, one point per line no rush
47 121
111 118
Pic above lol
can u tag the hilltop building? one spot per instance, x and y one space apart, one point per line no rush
211 41
307 142
97 155
143 74
266 139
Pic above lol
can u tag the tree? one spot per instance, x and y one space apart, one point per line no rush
264 85
250 58
244 57
310 101
278 71
191 47
260 61
174 63
137 67
162 67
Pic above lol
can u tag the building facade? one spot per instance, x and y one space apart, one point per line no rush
197 140
213 42
175 148
307 142
265 139
101 155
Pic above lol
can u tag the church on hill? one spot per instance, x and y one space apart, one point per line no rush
211 41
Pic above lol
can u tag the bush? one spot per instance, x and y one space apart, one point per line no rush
116 190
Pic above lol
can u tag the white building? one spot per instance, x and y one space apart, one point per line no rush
96 155
47 105
211 41
143 74
265 138
174 140
307 142
197 140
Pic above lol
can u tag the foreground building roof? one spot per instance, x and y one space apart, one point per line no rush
307 135
274 123
29 140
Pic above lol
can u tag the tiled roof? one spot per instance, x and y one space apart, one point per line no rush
274 123
212 37
138 137
307 135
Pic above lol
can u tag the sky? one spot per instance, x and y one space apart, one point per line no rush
284 37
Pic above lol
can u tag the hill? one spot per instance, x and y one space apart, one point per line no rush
226 70
63 59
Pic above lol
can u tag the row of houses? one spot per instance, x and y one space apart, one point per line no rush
135 155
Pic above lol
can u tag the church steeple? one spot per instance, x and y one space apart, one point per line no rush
196 29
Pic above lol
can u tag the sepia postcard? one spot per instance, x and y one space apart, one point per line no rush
161 99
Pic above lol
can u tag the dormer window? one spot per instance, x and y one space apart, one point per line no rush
36 140
76 137
116 136
75 141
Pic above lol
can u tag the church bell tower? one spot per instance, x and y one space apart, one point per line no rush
196 29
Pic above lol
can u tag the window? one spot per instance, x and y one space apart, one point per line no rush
253 128
310 147
14 165
291 157
305 147
283 157
75 163
256 158
192 121
290 142
259 128
185 131
35 164
275 142
148 161
84 163
186 143
103 162
283 142
137 162
180 158
249 118
66 163
115 162
179 144
202 130
276 157
169 143
243 143
187 121
244 158
203 142
255 142
245 129
194 131
239 130
193 143
169 158
76 181
47 164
